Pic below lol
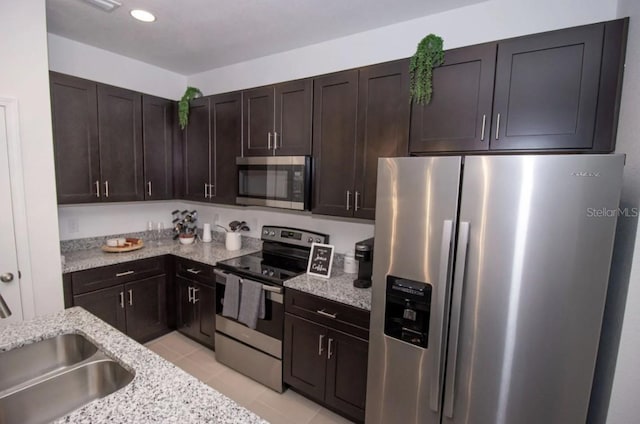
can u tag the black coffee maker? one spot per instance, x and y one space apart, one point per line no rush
364 256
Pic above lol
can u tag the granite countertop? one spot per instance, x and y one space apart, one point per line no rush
338 288
159 392
207 253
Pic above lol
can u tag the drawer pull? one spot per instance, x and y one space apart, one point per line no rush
327 314
194 271
122 274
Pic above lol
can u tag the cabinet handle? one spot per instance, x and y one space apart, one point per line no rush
194 298
329 353
484 124
320 337
190 294
498 127
97 188
122 300
348 200
356 200
275 140
212 190
122 274
205 190
130 297
149 188
106 188
194 271
269 141
327 314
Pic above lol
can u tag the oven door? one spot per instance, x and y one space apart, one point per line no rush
276 181
267 336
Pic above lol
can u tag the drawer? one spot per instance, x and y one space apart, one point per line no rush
107 276
195 271
327 312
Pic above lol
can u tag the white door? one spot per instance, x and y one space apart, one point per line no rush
9 281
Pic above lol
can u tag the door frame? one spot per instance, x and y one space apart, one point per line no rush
12 118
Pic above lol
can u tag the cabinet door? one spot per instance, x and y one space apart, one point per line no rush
204 301
157 136
196 151
74 112
106 304
346 374
294 108
258 122
226 129
547 90
383 127
146 306
458 118
120 135
304 356
335 105
185 312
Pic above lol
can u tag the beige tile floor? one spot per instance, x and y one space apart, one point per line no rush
286 408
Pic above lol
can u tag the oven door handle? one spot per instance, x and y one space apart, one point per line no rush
272 289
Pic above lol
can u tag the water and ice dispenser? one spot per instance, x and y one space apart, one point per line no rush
407 311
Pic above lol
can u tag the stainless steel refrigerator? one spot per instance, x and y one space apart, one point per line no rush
489 282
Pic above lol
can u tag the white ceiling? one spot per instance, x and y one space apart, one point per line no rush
191 36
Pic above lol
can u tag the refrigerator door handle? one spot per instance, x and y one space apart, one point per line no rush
456 310
443 279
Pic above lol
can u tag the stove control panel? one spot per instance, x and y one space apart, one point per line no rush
293 236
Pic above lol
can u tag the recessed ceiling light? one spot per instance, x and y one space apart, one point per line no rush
143 15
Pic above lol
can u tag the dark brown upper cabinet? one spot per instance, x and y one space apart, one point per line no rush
335 114
226 134
557 91
120 139
383 127
74 114
211 144
458 118
277 119
157 136
359 116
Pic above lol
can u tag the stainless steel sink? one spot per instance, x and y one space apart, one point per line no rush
62 393
46 380
36 359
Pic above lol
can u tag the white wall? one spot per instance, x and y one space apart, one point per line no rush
625 284
488 21
80 221
24 76
84 61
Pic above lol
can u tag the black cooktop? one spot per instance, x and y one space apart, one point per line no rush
264 267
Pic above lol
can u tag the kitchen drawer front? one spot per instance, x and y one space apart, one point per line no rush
195 271
107 276
335 315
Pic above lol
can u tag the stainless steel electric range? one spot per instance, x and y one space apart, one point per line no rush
257 353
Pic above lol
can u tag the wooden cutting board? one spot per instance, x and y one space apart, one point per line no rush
132 244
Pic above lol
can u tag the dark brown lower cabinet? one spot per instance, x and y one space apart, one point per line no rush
196 310
106 305
327 365
146 306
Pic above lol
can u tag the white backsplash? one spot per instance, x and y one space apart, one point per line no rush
80 221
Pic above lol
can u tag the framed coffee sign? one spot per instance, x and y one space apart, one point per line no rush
320 260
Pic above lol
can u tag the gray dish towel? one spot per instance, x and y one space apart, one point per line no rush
251 303
231 300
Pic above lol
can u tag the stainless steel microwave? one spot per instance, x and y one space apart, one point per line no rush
275 181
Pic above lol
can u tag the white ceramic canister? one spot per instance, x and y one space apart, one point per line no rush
350 263
206 233
233 241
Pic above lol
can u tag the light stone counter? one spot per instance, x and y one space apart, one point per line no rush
159 393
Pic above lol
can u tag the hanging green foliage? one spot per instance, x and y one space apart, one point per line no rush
428 55
183 105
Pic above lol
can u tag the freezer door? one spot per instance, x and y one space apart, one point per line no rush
530 281
417 200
